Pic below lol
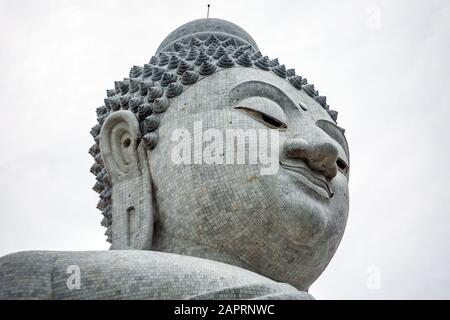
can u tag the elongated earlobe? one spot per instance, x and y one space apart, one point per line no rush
127 164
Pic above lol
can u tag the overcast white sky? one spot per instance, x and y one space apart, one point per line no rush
384 65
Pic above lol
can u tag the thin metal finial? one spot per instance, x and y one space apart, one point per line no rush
207 14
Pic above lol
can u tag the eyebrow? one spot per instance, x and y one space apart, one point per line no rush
336 133
262 89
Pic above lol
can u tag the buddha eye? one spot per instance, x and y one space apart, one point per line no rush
264 118
343 167
265 111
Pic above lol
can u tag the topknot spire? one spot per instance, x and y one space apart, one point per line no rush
215 30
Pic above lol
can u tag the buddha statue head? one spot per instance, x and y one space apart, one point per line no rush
164 150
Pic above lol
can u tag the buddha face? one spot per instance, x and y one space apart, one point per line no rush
286 224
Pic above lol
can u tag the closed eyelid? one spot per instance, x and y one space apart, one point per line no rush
264 106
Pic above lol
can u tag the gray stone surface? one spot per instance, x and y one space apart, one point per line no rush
132 275
248 228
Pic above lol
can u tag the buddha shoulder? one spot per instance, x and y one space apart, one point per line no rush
131 275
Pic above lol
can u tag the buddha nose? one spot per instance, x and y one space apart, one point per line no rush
320 155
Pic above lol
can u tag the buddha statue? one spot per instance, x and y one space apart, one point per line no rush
185 219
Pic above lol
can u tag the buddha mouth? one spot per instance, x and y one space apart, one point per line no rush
310 180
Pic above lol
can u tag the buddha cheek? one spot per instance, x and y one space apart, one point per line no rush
294 210
305 221
339 206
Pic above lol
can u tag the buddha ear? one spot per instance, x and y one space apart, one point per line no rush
127 164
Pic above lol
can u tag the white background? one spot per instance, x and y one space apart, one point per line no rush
383 65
